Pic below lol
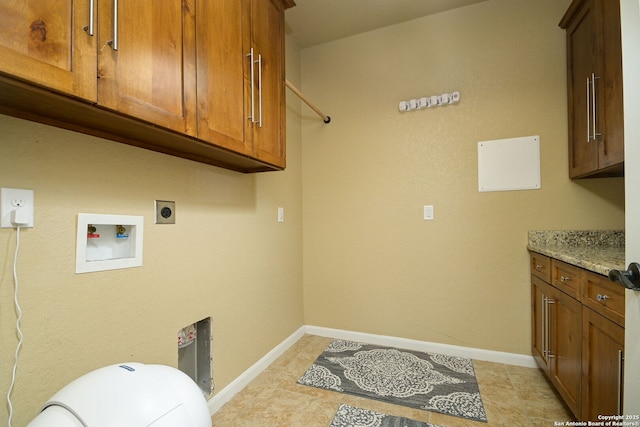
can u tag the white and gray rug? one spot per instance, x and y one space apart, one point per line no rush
433 382
351 416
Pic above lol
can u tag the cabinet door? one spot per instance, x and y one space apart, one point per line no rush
43 41
565 358
581 63
610 101
601 366
151 75
222 40
594 70
539 322
267 35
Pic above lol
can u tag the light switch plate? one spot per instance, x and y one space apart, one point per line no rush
165 212
428 212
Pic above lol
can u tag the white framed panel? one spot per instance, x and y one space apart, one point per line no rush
509 164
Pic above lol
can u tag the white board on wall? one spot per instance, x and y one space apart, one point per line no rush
509 164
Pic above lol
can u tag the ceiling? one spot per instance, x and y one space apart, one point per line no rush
314 22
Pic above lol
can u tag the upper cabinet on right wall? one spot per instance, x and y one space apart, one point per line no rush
594 88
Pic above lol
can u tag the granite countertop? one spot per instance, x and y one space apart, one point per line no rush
597 251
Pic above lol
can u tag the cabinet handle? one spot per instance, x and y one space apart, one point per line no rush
602 298
594 105
550 354
89 29
620 379
253 63
253 103
564 278
538 267
549 351
544 326
260 89
592 110
114 42
588 113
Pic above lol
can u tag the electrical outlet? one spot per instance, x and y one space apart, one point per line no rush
16 206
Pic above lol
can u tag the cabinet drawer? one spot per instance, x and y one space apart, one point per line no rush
540 266
565 277
603 296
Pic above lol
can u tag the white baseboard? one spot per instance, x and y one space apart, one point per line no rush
428 347
227 393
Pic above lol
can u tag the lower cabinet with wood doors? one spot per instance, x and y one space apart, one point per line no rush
578 335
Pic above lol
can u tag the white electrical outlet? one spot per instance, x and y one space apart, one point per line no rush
16 208
280 214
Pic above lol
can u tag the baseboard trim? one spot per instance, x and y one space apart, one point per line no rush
227 393
429 347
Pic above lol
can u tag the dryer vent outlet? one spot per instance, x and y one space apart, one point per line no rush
165 212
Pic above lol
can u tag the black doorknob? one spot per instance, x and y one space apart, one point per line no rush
629 278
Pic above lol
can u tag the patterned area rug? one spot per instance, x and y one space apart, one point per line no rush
350 416
433 382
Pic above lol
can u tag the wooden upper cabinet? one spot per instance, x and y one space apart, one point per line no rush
146 62
267 40
198 79
240 51
44 42
222 50
581 62
594 77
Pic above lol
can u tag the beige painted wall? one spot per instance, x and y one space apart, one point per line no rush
226 257
371 263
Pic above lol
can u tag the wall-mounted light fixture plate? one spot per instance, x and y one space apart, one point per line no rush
165 212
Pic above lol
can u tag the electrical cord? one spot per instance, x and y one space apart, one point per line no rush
18 330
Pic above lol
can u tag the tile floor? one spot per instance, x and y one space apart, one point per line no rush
512 396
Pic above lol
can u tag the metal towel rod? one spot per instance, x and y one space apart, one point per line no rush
295 90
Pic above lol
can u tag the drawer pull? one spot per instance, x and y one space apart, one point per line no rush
564 278
539 267
602 298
